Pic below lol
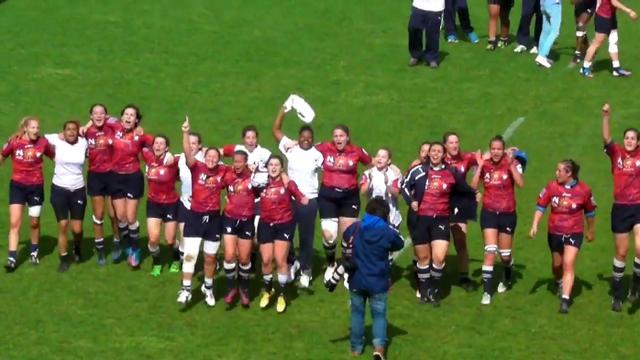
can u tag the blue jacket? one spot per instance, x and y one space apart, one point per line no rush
373 239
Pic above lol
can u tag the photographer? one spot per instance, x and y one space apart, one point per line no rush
371 240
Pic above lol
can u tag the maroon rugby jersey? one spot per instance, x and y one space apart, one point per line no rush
27 159
497 180
341 167
436 198
126 147
463 162
625 167
99 142
605 9
568 204
161 178
241 195
206 187
275 201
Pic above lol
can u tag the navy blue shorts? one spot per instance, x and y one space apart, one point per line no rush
268 233
32 195
624 218
164 212
130 186
463 209
206 226
244 229
429 228
99 184
68 204
558 242
183 212
605 25
504 222
337 203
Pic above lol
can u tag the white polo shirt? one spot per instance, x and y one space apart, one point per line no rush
302 166
258 157
429 5
379 188
70 158
185 178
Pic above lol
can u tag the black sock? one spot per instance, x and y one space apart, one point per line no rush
64 258
616 280
13 255
436 276
244 272
464 277
99 244
267 282
508 271
291 257
155 254
134 236
487 276
423 275
123 231
230 272
175 251
329 251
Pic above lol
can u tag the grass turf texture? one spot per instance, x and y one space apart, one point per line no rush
228 64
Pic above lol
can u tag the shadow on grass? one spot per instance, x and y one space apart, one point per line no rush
392 332
550 285
45 248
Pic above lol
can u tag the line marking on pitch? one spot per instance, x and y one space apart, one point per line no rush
508 132
407 242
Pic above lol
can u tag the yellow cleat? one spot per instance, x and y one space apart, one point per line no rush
281 305
265 298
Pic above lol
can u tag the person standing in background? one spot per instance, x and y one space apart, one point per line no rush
451 7
426 17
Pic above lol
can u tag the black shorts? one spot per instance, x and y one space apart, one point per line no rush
605 25
99 184
429 228
164 212
68 204
624 218
268 233
206 226
32 195
336 203
183 212
244 229
584 7
130 186
504 222
508 4
412 223
463 209
558 242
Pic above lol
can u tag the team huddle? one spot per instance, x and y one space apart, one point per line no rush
264 205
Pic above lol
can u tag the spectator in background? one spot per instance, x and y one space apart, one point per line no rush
552 17
371 240
426 17
460 7
529 9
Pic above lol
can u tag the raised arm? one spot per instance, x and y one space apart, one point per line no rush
632 14
516 172
276 129
475 181
186 148
606 130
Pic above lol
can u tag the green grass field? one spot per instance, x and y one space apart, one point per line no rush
230 63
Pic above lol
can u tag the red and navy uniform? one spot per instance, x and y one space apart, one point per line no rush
568 205
412 216
239 211
127 179
204 219
338 195
464 208
27 180
276 212
100 152
625 167
162 197
498 199
605 20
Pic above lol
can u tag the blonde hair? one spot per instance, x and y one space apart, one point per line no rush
22 125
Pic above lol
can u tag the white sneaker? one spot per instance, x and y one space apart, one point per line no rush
293 269
305 281
502 287
520 49
345 281
208 296
184 296
534 50
542 61
486 299
328 273
417 293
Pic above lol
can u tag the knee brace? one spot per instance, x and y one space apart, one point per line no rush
505 253
96 221
491 249
191 250
581 30
211 247
34 211
613 42
330 226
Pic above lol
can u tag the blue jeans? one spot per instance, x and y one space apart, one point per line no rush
378 304
551 17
